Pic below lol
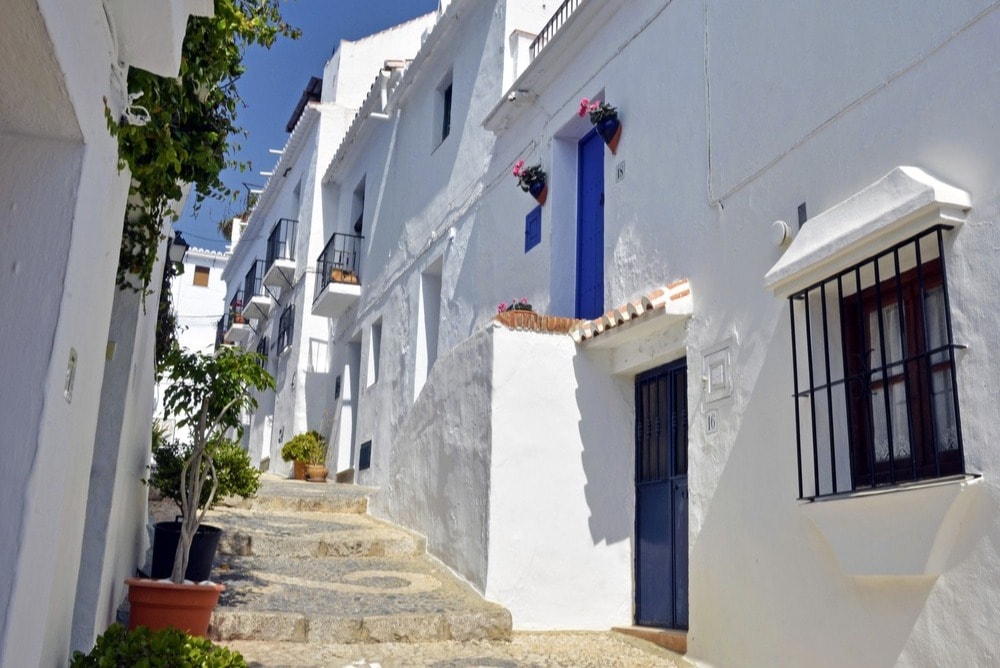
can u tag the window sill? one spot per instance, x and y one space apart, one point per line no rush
908 530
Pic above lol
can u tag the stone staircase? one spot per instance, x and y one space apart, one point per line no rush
303 563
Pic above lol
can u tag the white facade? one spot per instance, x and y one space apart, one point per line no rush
301 367
515 452
198 294
77 355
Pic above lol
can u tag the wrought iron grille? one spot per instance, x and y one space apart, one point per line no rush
560 17
281 242
262 351
338 263
253 285
873 359
285 326
234 316
220 332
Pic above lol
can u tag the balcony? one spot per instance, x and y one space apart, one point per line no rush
258 303
560 17
338 284
235 326
279 262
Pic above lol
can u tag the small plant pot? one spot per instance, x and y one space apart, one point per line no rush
610 130
157 605
316 472
299 470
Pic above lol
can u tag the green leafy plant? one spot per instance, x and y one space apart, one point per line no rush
233 472
309 447
190 128
206 393
118 647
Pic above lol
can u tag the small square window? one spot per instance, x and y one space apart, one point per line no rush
201 275
533 229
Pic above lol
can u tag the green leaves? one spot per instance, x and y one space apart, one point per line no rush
192 118
167 647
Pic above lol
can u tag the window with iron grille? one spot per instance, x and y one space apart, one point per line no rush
285 326
876 397
262 351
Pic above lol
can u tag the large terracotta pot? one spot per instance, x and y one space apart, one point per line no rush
316 472
156 604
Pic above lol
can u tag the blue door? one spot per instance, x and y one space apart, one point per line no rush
590 228
661 498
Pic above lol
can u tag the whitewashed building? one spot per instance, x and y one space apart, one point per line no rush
196 295
270 276
76 355
767 425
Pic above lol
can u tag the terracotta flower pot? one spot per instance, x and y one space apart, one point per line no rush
518 319
316 472
540 191
610 130
299 470
156 604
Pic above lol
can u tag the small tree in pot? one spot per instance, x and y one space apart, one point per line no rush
206 393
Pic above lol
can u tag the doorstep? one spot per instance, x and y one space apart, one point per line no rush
674 640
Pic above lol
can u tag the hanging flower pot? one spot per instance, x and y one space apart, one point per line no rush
532 180
540 191
610 130
605 118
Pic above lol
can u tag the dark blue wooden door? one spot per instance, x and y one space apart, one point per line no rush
590 228
661 498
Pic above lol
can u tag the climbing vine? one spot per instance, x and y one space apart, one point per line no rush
191 131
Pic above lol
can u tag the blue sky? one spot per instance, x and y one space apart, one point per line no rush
273 83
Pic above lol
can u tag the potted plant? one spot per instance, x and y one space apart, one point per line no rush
300 449
235 475
206 394
605 118
316 470
532 180
166 647
518 314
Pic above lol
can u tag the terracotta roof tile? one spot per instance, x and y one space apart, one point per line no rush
673 297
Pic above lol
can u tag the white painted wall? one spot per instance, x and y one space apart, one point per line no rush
64 202
561 487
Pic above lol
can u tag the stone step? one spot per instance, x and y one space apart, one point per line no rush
286 599
311 534
277 494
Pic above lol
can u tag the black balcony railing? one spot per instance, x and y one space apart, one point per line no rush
253 284
220 332
234 316
281 242
560 17
338 263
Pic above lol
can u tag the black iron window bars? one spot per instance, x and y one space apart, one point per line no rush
873 359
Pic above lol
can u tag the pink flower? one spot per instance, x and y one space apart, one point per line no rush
518 166
524 300
594 106
502 307
584 107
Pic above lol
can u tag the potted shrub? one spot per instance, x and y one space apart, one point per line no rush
604 117
300 449
206 394
316 470
532 180
166 647
235 476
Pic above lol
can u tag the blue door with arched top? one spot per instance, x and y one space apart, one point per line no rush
661 497
590 228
